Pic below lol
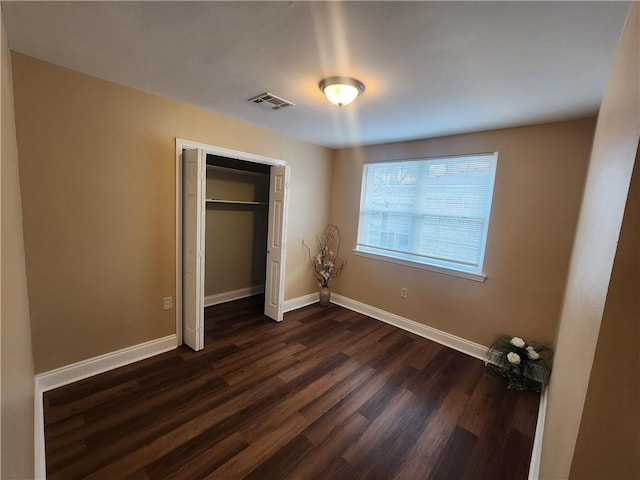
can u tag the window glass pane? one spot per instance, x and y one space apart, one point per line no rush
432 210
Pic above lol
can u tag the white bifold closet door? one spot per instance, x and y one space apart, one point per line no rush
193 248
274 281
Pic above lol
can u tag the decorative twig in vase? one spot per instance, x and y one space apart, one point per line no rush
325 264
525 366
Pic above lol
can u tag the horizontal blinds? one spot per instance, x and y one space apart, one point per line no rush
433 208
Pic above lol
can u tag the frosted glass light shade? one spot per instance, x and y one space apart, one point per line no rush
341 90
340 94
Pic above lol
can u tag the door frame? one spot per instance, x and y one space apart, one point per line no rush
181 144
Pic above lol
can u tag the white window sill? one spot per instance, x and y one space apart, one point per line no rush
477 277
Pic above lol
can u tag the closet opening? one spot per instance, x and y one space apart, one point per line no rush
230 225
236 221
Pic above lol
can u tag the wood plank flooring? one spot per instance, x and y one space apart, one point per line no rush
326 394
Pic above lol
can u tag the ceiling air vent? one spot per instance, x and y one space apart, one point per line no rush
270 101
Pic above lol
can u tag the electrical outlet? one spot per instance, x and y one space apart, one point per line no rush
167 303
403 292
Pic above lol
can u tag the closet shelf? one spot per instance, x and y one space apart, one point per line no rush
236 171
234 202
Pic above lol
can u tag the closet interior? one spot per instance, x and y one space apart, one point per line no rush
236 222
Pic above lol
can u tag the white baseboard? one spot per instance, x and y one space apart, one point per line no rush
40 467
299 302
102 363
457 343
536 452
83 369
233 295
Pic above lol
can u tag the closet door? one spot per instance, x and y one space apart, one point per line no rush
274 284
193 165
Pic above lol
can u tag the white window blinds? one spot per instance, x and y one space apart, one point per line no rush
432 211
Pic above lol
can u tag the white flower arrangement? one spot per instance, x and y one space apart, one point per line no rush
525 366
532 354
513 358
325 264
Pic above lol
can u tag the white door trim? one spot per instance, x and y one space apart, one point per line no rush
182 143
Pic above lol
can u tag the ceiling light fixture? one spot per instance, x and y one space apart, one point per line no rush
341 90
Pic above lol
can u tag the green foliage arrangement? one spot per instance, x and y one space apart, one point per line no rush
524 366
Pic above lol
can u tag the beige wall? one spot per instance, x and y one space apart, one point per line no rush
610 168
97 167
539 181
612 406
17 362
236 235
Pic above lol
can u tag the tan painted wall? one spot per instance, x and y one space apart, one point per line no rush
17 362
98 175
539 181
612 407
610 167
236 235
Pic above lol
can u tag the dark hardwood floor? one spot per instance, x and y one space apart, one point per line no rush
326 394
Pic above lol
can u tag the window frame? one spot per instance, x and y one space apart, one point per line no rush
422 261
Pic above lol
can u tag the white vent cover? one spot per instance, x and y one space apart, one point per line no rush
270 101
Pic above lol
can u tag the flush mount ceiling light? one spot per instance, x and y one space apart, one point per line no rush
341 90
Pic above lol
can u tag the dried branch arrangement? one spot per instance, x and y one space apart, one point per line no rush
325 264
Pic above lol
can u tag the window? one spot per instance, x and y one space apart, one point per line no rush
431 212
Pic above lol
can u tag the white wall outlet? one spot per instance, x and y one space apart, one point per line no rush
403 292
167 303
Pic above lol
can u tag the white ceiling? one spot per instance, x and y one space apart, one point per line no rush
430 68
